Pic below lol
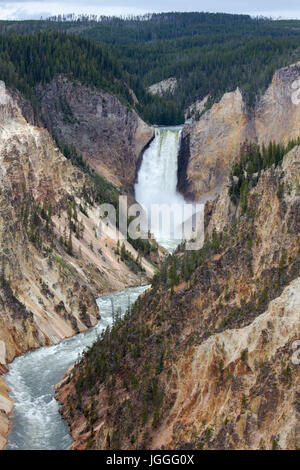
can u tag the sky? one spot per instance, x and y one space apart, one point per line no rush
34 9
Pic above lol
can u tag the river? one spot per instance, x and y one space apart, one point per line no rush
36 422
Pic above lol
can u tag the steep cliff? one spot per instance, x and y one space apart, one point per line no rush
53 264
277 114
110 136
197 108
215 139
6 407
209 355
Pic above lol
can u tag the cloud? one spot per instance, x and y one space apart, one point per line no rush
34 9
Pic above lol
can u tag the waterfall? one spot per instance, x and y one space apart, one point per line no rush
157 181
157 177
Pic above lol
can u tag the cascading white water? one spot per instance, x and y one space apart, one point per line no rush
157 182
157 177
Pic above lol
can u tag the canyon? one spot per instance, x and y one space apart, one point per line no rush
217 342
207 358
53 264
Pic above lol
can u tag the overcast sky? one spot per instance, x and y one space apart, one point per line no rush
24 9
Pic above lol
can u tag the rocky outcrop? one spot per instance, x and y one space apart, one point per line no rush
277 114
110 136
216 138
165 86
53 263
6 407
213 141
239 389
197 108
210 353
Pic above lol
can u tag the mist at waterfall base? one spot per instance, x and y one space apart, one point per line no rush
36 421
156 188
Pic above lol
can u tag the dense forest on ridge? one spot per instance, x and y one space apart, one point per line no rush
29 59
207 53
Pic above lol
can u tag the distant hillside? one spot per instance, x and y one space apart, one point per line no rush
207 53
32 59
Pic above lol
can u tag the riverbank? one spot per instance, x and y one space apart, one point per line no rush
6 402
51 361
56 329
32 378
6 408
17 342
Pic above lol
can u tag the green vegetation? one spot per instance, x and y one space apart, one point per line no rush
102 361
36 220
253 160
28 60
39 227
145 247
216 289
134 264
176 269
61 261
99 190
208 53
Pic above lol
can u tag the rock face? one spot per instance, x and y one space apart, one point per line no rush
6 406
248 411
53 264
110 137
277 114
165 86
215 140
196 109
211 353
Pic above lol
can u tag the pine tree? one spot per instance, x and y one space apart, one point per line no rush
70 245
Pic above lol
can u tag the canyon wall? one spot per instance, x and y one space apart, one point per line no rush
53 263
215 140
109 136
210 352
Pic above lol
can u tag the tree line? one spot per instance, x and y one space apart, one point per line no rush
207 53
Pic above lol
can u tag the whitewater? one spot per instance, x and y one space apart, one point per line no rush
157 185
36 422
